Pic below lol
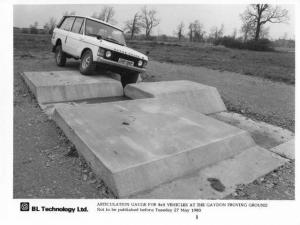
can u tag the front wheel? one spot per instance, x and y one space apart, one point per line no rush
129 78
60 56
87 65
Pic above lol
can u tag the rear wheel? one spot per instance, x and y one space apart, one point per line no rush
87 65
60 56
129 78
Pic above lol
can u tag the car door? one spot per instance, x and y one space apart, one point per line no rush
65 30
75 37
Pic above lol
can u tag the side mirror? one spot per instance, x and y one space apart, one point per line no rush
147 52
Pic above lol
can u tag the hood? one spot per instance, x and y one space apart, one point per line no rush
115 47
122 49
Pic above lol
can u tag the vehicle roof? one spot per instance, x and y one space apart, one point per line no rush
100 21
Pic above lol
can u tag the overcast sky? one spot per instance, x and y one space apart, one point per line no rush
170 16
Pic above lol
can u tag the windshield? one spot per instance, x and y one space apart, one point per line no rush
96 29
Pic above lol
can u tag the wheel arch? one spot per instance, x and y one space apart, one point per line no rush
84 50
57 43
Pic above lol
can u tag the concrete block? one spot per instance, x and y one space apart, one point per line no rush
243 168
196 96
136 145
286 149
61 86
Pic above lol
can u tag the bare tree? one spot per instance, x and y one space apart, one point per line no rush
247 30
133 26
234 33
216 32
179 30
191 32
106 14
50 25
257 15
196 31
149 20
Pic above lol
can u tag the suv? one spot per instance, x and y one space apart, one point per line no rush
96 42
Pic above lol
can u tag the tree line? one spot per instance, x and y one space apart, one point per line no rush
254 19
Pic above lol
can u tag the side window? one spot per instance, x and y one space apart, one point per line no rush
67 24
77 25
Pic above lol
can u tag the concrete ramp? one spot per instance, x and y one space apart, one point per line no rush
196 96
62 86
136 145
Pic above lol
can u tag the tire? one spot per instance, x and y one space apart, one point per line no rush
87 65
60 56
129 78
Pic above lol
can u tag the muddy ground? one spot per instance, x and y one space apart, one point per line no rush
46 165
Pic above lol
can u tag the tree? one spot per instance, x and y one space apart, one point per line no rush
133 26
179 31
216 32
257 15
247 30
149 20
49 26
106 14
196 31
234 33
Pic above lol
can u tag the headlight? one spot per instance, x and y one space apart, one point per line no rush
140 63
108 54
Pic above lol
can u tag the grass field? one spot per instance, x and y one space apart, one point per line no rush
277 66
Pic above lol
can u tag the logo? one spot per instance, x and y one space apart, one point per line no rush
24 206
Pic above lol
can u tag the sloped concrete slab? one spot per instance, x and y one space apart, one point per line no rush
286 149
221 179
62 86
196 96
136 145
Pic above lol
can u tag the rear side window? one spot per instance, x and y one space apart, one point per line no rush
77 25
67 24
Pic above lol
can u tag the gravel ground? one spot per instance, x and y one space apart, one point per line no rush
279 184
45 163
38 143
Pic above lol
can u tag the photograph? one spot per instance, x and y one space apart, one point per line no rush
154 101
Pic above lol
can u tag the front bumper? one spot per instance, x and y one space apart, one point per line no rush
119 65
